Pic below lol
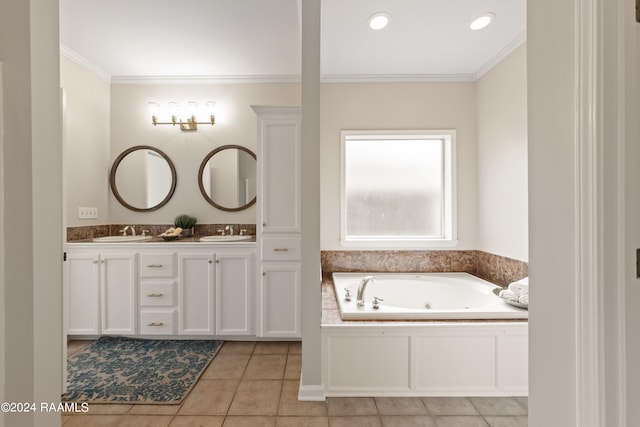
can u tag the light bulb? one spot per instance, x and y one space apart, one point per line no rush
154 107
192 107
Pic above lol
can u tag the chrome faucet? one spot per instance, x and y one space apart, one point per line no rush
126 227
230 229
361 287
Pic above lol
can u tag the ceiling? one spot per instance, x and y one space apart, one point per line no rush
260 39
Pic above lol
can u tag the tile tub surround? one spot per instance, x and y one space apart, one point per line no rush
93 231
498 269
494 268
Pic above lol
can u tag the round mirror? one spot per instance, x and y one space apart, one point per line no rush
227 178
143 178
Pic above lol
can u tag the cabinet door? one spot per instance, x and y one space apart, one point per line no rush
82 297
233 293
279 169
280 301
118 294
195 294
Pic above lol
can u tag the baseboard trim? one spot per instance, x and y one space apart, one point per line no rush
311 393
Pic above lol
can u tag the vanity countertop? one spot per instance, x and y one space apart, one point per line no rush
157 240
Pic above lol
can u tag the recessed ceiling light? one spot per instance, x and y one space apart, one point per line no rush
479 22
379 20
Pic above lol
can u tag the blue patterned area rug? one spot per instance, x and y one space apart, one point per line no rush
127 370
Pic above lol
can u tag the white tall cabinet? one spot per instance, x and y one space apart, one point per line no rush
278 223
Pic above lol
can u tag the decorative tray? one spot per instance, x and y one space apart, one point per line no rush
496 291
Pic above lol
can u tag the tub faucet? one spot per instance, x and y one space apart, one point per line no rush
361 287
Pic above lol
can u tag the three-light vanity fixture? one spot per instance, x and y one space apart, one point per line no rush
177 115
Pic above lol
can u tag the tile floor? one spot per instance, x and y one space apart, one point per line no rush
256 385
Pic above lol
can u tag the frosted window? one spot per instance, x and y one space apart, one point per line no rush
397 187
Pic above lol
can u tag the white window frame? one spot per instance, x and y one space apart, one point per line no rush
449 213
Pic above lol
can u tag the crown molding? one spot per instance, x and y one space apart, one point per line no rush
395 78
84 63
506 51
295 78
285 78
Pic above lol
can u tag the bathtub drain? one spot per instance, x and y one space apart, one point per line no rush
427 305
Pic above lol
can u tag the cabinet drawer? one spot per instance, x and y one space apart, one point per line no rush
157 265
157 322
157 294
281 248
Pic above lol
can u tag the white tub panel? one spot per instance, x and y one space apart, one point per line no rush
513 361
368 363
456 363
431 359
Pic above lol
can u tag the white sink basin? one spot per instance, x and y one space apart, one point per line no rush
119 239
235 238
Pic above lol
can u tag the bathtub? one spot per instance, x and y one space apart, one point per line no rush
439 357
422 296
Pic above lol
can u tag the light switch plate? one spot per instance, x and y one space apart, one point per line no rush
87 213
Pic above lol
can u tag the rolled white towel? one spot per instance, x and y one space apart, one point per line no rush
524 299
508 295
521 287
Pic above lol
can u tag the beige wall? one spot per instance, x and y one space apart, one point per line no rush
488 116
366 106
501 97
235 124
86 142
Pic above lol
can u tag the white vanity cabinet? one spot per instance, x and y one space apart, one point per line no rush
234 299
118 304
196 293
278 222
100 293
147 289
216 296
82 294
157 291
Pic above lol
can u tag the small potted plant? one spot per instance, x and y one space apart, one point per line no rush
186 222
